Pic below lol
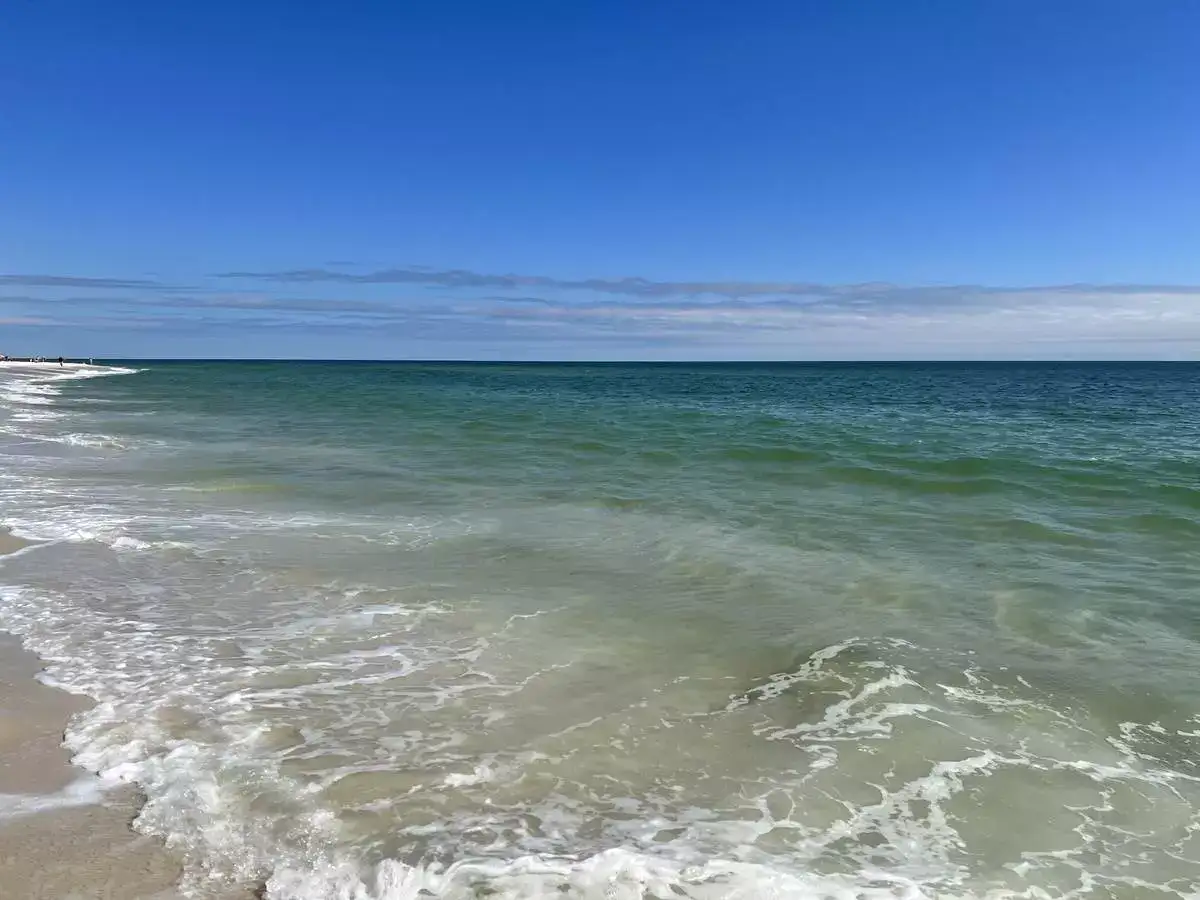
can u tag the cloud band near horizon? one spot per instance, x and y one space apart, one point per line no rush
592 315
642 287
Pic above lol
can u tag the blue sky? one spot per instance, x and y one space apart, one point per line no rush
533 180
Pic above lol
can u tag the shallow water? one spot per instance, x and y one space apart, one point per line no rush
368 631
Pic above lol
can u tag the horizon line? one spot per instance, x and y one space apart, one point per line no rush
617 362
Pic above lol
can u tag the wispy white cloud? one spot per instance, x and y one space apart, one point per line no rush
967 316
15 321
633 286
516 315
74 281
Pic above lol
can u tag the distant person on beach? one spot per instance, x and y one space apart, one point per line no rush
60 361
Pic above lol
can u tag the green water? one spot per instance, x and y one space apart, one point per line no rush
629 630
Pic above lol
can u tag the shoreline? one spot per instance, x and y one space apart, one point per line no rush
64 834
25 367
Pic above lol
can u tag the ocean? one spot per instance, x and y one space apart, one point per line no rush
377 631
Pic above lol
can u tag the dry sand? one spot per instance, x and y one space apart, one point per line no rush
60 839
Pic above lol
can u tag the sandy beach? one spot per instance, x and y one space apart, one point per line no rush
61 838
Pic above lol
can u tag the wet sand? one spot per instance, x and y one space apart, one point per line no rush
61 838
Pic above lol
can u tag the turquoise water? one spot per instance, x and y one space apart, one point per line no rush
368 630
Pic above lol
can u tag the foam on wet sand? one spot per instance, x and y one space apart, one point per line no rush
63 834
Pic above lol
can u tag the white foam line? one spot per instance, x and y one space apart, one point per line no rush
29 548
54 372
85 791
615 874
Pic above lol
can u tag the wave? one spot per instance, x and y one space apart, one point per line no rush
614 874
231 733
536 701
88 441
26 389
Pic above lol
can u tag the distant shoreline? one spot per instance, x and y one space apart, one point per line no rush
41 368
